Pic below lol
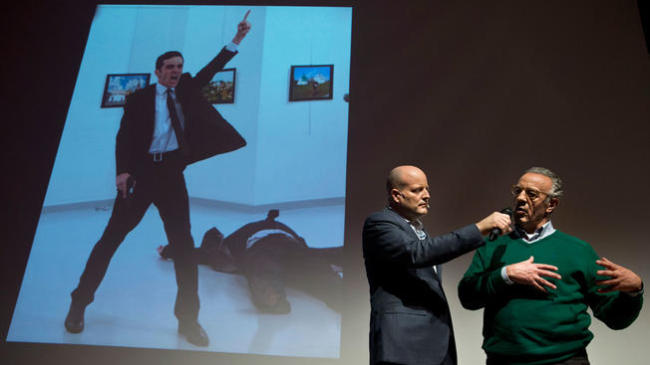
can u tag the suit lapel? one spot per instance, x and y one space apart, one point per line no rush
149 110
402 222
428 274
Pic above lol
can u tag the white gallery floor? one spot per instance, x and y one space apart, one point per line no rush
133 306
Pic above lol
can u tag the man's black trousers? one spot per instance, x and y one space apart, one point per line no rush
163 184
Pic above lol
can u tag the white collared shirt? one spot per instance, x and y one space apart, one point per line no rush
164 137
418 228
541 233
264 233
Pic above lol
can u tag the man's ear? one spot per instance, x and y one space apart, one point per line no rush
552 204
394 195
157 73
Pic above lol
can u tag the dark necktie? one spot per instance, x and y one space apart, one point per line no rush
176 123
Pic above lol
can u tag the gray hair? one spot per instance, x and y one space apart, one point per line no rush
557 189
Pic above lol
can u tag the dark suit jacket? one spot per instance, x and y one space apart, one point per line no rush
410 321
236 242
206 132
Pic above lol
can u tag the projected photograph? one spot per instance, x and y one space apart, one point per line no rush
221 90
311 82
180 222
119 86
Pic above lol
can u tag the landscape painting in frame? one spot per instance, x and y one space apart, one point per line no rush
119 86
311 82
221 89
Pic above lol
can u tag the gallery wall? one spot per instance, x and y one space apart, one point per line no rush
307 135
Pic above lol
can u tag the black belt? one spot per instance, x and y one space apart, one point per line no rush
158 157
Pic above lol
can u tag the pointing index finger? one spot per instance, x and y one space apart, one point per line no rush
246 15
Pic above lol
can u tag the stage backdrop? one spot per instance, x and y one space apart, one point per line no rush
475 94
472 92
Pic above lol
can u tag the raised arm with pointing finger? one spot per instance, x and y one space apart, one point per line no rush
242 29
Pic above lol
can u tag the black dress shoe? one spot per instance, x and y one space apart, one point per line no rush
193 333
74 321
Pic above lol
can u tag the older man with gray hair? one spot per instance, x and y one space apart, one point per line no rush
536 284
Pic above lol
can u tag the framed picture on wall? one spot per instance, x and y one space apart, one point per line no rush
312 82
221 89
119 86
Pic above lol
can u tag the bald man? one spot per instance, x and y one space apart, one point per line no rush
410 321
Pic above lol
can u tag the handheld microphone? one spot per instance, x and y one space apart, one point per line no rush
496 231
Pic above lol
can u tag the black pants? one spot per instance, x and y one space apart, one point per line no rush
448 360
580 358
163 184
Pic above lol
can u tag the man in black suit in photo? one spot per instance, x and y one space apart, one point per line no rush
165 127
410 322
272 256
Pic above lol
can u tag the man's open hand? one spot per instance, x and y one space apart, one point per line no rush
620 278
529 273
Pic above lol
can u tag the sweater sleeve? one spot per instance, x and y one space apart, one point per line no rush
480 282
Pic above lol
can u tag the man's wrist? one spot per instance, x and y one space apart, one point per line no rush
482 228
637 292
232 46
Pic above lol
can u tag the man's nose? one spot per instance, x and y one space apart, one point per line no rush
521 197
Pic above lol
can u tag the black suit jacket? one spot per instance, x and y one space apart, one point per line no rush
206 132
410 321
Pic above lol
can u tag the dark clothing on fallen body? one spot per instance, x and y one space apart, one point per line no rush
272 256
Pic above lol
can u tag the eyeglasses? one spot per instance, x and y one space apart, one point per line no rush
530 193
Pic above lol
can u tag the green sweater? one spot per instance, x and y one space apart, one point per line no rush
529 326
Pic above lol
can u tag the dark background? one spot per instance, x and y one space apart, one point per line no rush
473 92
